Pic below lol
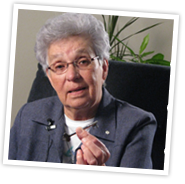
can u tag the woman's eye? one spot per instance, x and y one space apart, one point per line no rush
59 66
83 62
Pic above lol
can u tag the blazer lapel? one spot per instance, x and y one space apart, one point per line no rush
57 137
106 117
54 128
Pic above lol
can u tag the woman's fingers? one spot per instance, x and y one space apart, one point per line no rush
94 151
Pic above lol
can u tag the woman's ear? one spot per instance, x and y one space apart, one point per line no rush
48 75
105 67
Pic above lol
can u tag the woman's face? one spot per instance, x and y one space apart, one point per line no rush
78 90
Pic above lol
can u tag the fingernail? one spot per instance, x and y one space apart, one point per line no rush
79 130
79 152
82 147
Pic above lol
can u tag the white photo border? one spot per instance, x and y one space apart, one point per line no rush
91 11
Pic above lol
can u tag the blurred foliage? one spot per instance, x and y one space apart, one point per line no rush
120 50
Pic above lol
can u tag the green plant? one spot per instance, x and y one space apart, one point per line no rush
121 51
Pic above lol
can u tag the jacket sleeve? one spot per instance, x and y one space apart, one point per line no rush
138 149
14 137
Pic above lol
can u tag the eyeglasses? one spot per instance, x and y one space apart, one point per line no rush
82 64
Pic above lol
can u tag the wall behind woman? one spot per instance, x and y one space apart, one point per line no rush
29 23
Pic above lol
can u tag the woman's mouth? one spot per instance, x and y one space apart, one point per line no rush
77 90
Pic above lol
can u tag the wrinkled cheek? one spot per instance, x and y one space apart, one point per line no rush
57 83
62 97
96 88
58 87
97 80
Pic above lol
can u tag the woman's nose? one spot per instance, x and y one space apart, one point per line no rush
72 73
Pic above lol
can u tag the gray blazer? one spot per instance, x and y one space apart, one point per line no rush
127 132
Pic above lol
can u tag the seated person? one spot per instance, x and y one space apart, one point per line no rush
73 50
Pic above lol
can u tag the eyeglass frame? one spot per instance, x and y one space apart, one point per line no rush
74 64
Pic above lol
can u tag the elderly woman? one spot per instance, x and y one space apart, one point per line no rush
73 50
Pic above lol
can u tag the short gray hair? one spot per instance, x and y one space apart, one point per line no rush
71 24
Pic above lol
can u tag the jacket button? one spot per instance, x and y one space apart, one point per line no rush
107 132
